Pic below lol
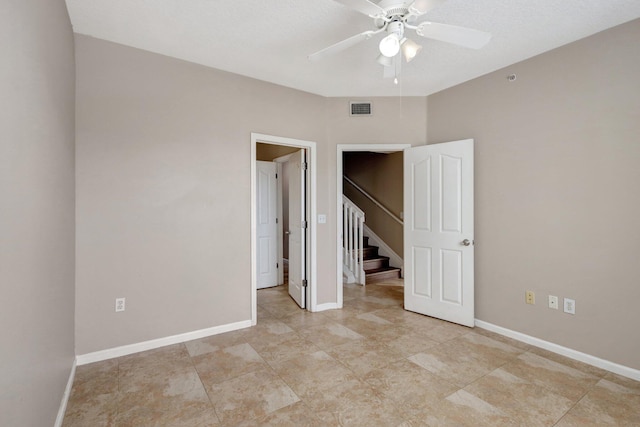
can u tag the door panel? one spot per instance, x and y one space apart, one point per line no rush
438 218
422 271
421 172
297 229
266 209
451 170
451 269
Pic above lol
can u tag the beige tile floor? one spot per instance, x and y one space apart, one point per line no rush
369 364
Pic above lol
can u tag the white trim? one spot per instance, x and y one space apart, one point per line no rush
65 396
124 350
564 351
279 225
340 148
327 306
280 161
310 146
385 250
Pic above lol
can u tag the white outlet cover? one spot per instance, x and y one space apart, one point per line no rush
569 306
322 219
120 304
553 302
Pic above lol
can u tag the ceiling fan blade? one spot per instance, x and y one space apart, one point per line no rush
342 45
420 7
461 36
364 6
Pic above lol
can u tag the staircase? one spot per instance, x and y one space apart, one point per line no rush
376 267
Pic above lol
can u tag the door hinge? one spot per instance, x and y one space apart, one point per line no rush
276 176
277 265
276 220
304 225
304 283
305 166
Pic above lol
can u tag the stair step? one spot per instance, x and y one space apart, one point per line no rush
381 274
370 252
375 263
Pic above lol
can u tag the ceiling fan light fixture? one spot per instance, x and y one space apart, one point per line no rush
390 45
410 49
384 60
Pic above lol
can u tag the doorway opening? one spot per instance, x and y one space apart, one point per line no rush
283 148
342 149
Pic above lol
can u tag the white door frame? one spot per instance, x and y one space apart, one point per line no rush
341 148
310 146
280 161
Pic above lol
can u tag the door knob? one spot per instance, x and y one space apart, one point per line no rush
466 242
287 232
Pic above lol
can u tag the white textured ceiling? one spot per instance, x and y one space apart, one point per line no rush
270 39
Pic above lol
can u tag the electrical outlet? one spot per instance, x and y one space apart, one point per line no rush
530 297
553 302
570 306
119 304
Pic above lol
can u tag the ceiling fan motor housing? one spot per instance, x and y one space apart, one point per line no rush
394 11
396 27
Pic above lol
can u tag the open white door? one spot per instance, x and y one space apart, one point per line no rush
297 228
267 234
438 231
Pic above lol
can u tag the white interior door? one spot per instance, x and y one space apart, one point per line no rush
438 231
297 227
267 234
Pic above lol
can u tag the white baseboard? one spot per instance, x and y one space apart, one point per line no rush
65 396
385 250
111 353
625 371
326 306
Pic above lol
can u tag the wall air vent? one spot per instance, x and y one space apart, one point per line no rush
360 108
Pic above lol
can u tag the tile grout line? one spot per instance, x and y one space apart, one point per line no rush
195 368
479 346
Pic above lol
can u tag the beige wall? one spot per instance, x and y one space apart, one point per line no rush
557 190
36 210
163 162
381 176
163 152
163 173
395 120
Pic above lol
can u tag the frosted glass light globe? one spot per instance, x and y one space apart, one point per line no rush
390 46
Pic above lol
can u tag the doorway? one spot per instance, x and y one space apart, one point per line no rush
308 148
438 228
341 149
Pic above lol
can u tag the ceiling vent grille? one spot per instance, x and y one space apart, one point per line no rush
360 108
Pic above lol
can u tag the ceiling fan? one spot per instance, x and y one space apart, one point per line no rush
394 17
